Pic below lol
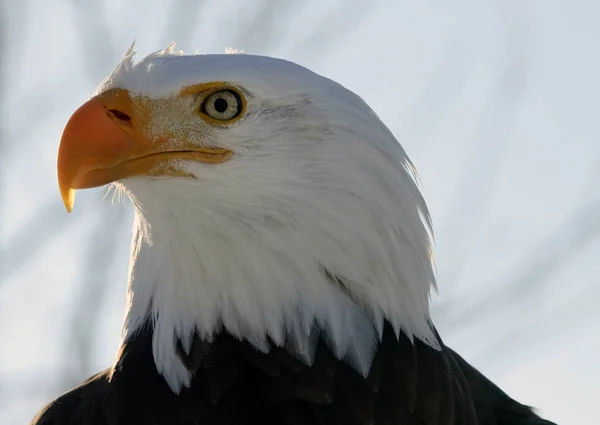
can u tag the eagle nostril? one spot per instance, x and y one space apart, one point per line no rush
122 116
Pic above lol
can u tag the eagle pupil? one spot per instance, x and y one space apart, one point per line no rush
220 105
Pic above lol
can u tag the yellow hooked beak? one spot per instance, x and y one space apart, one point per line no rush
105 141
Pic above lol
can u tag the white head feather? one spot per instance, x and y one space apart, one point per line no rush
315 223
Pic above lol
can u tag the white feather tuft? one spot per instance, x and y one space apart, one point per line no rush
233 51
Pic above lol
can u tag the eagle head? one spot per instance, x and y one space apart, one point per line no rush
270 203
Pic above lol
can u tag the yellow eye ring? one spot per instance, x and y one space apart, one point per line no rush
223 106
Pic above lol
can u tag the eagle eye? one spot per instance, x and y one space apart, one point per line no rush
222 105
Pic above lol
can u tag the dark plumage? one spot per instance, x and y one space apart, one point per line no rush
235 384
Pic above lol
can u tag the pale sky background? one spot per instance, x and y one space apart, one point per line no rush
496 102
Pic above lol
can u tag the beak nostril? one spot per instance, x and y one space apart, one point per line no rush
122 116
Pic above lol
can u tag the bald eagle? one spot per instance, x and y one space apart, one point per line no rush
281 263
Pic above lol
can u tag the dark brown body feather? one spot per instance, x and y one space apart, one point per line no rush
408 384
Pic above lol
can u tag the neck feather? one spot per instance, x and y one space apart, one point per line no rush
264 287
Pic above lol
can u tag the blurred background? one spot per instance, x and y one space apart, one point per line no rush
496 102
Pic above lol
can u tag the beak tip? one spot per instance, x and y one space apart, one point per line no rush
68 198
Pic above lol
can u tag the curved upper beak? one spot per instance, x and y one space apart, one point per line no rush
92 143
106 140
